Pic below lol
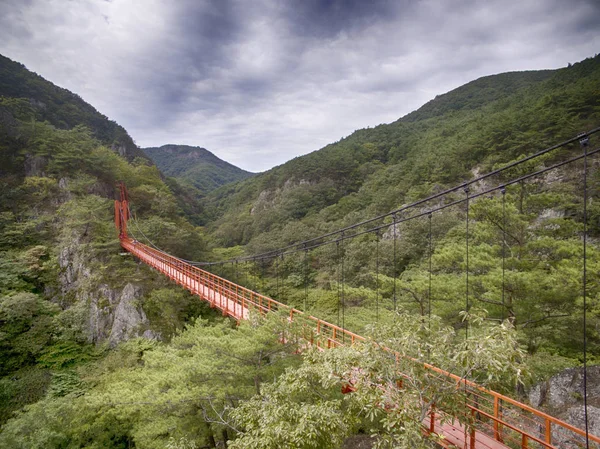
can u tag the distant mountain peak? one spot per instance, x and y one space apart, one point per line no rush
195 166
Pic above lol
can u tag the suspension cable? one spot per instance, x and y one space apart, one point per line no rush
305 278
422 201
281 270
289 249
296 247
466 190
262 274
503 191
468 306
394 273
277 277
377 276
134 219
584 142
343 294
337 245
430 273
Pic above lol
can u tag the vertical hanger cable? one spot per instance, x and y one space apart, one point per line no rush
503 191
584 142
467 303
337 246
377 277
343 293
394 267
305 277
430 272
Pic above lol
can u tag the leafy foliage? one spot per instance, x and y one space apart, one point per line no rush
305 408
154 395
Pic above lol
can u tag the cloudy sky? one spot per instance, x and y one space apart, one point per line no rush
260 82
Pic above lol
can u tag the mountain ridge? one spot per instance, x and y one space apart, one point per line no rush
62 108
375 170
195 166
488 88
26 96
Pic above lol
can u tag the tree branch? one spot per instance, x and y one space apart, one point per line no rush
562 315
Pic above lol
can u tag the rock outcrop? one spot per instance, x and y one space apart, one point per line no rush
113 315
562 396
576 416
128 319
35 165
565 389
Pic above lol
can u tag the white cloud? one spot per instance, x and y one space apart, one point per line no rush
261 83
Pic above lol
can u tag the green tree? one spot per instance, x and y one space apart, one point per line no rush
305 408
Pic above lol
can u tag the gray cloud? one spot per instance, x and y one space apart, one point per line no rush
261 82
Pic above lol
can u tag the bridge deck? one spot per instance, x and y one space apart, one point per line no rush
457 436
217 298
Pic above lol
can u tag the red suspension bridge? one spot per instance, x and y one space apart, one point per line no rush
499 421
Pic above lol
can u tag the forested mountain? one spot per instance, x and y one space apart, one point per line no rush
486 122
63 109
65 293
452 139
27 96
195 166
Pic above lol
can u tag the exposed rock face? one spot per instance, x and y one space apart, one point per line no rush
102 189
562 396
113 314
120 149
576 416
549 214
267 199
565 389
101 306
128 320
35 165
74 271
480 186
389 232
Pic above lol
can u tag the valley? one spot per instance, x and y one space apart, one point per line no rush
376 233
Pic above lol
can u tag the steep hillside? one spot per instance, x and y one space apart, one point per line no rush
26 97
491 120
478 93
195 166
61 108
66 294
450 140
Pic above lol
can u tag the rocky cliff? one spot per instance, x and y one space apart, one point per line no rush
562 396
